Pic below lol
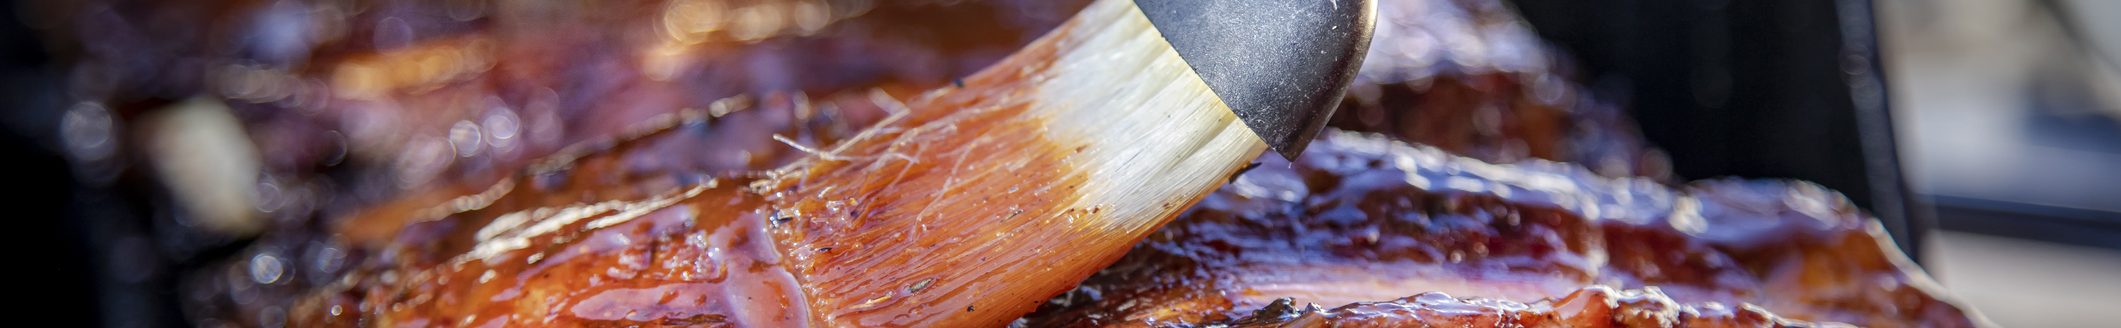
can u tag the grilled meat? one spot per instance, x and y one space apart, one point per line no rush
364 111
1364 219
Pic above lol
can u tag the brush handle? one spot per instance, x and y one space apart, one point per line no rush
1281 65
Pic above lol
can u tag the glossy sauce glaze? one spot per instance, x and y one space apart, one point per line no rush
591 236
1362 219
696 255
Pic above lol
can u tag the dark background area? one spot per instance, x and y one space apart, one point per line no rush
57 256
90 253
1794 89
1753 89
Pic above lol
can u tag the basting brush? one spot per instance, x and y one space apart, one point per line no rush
984 200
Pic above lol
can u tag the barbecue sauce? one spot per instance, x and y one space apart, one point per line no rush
1361 219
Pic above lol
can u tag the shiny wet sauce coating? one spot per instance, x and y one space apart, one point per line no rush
1363 219
591 237
692 256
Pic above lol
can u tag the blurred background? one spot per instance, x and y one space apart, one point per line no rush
1986 135
2008 115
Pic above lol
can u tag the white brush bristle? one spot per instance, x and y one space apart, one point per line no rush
1158 140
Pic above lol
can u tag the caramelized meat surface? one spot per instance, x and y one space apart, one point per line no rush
602 233
1363 219
691 254
380 118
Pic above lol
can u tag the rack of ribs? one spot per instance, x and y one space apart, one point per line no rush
1375 224
1480 187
